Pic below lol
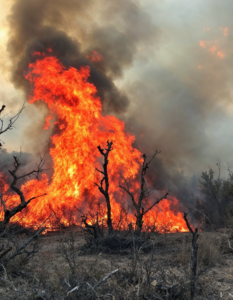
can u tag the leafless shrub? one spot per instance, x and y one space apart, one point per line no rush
209 251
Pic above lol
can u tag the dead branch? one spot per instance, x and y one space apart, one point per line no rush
193 256
105 278
8 214
143 194
3 253
74 289
156 202
2 109
103 185
11 121
92 227
3 203
229 245
20 251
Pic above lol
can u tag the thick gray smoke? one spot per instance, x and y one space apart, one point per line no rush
73 29
181 100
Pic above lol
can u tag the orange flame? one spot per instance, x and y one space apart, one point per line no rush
225 30
47 122
212 47
71 100
95 56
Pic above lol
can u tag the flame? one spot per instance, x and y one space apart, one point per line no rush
212 47
95 56
82 127
225 30
47 122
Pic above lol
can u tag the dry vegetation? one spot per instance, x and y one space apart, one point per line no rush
101 263
154 267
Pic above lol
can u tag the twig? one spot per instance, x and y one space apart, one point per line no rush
19 250
3 203
74 289
229 245
3 253
193 256
105 278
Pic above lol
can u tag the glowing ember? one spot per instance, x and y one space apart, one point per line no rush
95 57
224 30
212 47
77 112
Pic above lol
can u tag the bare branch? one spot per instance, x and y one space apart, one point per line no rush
143 194
3 106
8 214
130 194
100 171
3 253
11 121
3 203
229 245
105 180
105 278
156 202
22 247
193 256
187 223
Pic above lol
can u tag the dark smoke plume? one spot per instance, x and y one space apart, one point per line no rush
172 105
73 29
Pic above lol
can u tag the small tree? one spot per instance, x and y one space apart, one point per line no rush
143 194
103 185
8 214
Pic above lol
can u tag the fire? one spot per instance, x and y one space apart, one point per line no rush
225 30
77 113
47 122
95 57
212 47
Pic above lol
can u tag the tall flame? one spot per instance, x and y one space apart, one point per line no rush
81 127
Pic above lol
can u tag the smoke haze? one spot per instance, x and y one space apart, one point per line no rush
166 70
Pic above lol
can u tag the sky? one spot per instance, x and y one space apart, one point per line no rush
178 79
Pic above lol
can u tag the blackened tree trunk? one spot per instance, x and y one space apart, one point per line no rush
193 257
143 194
103 185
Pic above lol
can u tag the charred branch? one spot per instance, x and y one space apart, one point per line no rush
193 256
91 227
8 214
143 194
4 252
11 122
103 185
21 250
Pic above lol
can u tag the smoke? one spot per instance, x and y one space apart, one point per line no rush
180 101
73 30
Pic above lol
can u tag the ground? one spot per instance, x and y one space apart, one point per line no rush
60 266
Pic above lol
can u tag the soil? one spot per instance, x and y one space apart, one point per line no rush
170 267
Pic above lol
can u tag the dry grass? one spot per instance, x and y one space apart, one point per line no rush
209 250
58 269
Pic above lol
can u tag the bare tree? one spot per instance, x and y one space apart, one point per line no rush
143 194
11 122
8 214
193 256
103 185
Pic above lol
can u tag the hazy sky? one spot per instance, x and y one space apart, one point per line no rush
179 86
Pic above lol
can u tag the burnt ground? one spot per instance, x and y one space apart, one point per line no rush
158 271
